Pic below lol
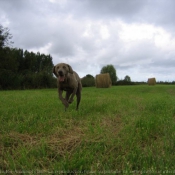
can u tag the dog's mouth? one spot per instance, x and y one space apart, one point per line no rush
61 78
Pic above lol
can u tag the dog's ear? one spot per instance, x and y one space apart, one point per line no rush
70 69
54 72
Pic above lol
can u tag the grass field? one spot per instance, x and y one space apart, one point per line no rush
128 129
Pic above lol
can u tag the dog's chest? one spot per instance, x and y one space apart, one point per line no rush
66 87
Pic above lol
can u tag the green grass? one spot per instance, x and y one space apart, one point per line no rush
129 129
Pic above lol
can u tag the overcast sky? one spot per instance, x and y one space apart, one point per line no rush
136 36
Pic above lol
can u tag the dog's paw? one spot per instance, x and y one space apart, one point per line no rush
66 104
70 101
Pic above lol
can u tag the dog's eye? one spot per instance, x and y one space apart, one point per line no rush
64 67
57 67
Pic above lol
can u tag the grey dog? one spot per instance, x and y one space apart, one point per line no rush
69 81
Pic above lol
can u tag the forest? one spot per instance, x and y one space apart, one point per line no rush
25 70
21 69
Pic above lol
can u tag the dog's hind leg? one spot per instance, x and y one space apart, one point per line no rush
78 94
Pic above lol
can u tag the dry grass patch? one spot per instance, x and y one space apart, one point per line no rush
112 126
14 139
67 142
43 149
171 92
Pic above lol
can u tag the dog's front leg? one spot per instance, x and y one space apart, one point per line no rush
68 93
66 104
73 94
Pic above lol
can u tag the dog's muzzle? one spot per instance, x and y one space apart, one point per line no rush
60 73
61 76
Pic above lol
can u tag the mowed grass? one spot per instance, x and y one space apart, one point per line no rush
129 129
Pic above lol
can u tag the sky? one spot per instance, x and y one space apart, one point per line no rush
136 36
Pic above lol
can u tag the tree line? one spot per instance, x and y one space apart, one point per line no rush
21 69
25 70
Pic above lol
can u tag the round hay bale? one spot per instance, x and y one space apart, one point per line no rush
151 81
103 81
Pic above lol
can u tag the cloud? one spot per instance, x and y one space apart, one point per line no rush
107 9
137 37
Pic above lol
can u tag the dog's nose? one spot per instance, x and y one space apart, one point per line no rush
60 72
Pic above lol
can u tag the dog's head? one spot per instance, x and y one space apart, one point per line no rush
61 71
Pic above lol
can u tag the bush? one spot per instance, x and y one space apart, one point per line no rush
124 82
88 81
